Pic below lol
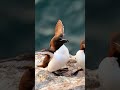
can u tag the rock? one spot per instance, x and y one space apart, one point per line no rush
13 69
48 81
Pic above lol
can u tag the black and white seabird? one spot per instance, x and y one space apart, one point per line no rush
56 42
59 59
80 56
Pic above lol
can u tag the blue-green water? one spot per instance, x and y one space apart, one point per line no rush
72 14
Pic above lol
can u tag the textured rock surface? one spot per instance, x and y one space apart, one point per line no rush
11 71
48 81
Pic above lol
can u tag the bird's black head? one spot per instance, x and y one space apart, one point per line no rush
59 41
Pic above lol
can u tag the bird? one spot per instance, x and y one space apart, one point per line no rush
58 40
109 68
59 59
55 43
80 56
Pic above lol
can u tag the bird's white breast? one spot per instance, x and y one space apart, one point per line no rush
80 57
60 58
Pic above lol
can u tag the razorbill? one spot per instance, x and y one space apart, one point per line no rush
80 56
58 59
56 42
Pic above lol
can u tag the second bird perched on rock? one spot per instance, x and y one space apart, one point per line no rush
80 56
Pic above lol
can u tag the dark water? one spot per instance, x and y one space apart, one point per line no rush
72 14
102 20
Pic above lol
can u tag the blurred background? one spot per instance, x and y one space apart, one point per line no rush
102 19
72 14
17 30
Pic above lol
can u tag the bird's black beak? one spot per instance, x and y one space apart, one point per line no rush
64 40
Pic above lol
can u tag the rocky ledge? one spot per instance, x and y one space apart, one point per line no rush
12 69
68 80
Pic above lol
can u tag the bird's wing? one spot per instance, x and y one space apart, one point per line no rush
59 28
